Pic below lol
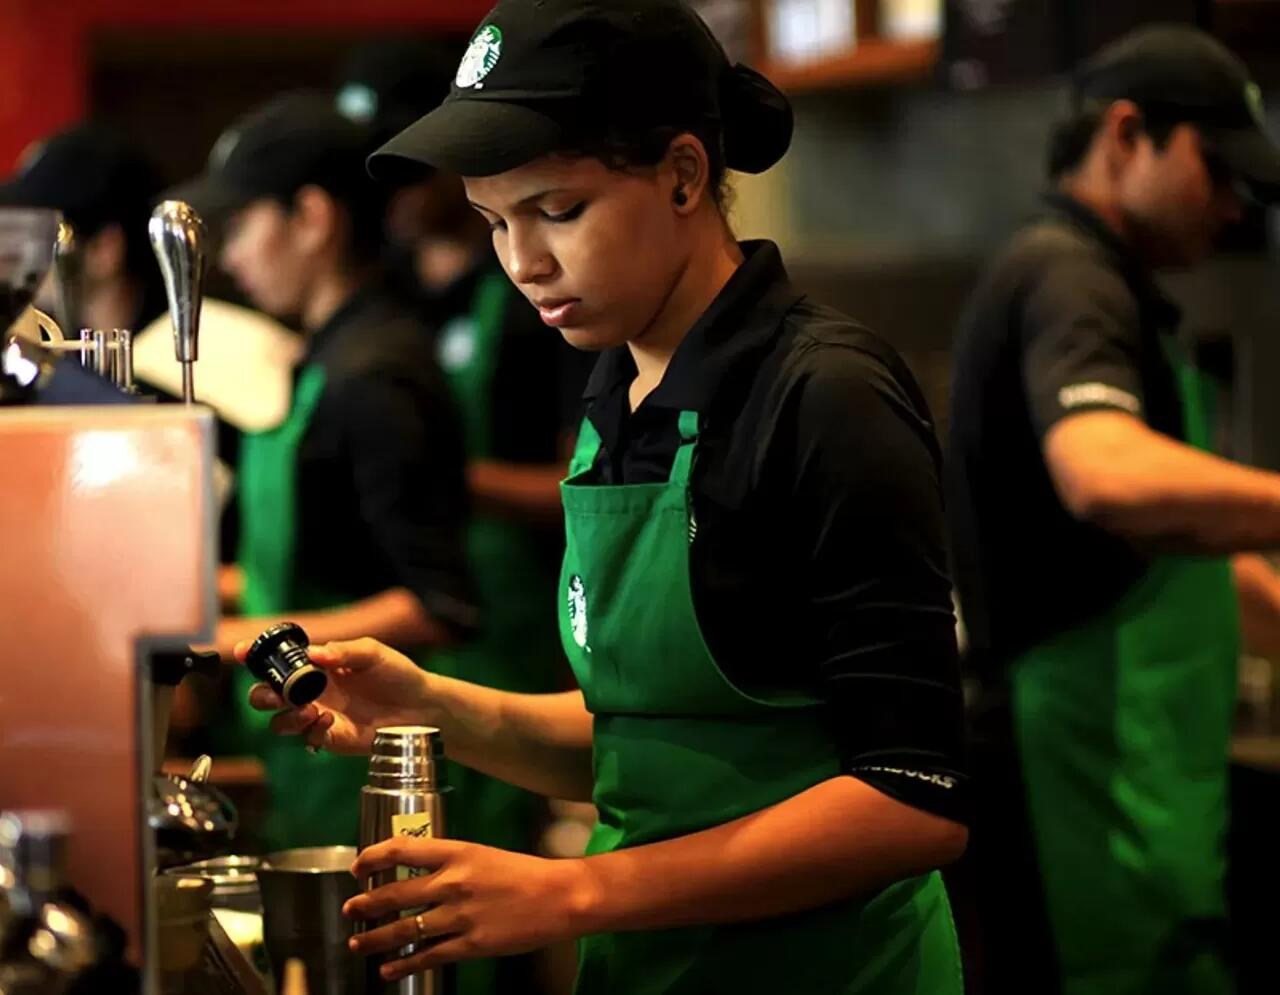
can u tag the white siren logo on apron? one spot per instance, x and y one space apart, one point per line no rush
578 610
458 343
481 56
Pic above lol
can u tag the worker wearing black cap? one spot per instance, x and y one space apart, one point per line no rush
1092 530
519 390
353 510
105 187
385 85
754 596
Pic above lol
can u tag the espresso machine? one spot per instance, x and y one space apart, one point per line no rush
178 238
32 341
108 517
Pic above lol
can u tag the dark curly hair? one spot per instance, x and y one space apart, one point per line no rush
621 150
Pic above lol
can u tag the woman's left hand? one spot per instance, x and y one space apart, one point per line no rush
486 902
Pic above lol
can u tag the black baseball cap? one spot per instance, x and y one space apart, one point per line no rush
388 83
1178 74
92 173
544 75
292 141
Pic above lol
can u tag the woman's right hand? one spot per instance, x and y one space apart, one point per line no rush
370 686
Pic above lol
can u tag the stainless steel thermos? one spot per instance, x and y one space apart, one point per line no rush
404 797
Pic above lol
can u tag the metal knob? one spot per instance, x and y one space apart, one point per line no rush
178 239
67 278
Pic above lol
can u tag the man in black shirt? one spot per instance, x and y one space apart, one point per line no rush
1075 468
353 510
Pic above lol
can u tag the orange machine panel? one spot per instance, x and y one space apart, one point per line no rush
106 548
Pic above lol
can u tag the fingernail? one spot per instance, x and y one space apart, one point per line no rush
387 973
353 943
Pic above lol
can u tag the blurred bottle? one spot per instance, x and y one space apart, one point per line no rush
46 939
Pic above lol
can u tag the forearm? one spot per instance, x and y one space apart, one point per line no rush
541 742
230 587
395 617
1258 592
1158 492
530 492
839 839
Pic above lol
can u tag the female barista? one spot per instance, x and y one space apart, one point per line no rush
753 597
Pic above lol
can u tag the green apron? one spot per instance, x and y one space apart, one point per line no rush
678 748
314 797
1123 731
518 648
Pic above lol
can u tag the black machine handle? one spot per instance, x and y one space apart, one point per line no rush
168 669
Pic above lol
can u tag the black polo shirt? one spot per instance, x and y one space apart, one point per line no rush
1066 320
818 563
382 499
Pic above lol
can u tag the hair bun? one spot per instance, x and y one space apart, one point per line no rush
756 120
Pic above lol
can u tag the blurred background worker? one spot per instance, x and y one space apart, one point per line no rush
519 387
105 187
353 509
1092 529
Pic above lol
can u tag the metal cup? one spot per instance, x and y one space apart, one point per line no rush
303 892
183 907
235 881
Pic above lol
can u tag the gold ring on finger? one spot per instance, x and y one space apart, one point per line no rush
422 929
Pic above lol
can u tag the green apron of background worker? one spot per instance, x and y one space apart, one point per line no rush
1123 725
353 509
313 801
678 748
518 648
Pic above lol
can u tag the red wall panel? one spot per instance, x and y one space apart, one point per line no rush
44 51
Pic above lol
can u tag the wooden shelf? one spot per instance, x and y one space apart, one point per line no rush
873 62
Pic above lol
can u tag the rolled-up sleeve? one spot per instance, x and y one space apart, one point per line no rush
868 510
1082 341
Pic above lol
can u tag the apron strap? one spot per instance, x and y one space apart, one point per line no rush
586 450
682 466
268 501
588 447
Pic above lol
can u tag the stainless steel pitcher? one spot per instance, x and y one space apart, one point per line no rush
303 892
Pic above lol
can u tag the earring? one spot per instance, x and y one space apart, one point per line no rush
680 197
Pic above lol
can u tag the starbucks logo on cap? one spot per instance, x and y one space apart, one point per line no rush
578 610
480 58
